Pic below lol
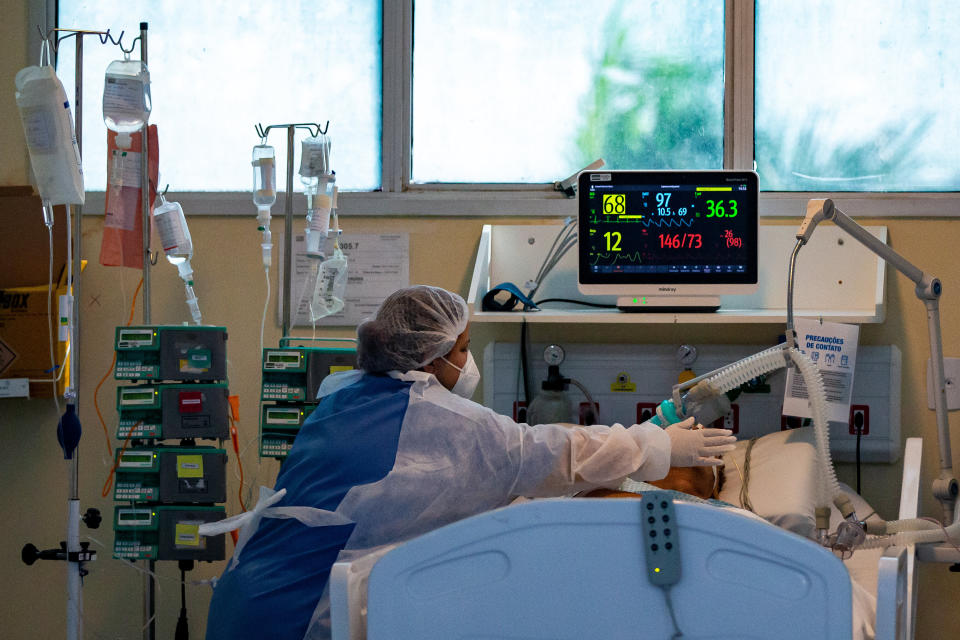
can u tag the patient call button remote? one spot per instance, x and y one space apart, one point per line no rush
659 539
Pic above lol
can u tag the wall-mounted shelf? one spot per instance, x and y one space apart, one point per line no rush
837 280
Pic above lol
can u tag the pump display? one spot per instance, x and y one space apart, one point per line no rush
291 378
171 353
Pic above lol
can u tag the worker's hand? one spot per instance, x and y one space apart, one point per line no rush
706 402
693 446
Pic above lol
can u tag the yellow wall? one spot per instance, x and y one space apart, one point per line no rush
13 57
230 288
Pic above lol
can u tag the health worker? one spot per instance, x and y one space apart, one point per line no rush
398 449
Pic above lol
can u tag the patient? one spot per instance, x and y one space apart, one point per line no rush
702 482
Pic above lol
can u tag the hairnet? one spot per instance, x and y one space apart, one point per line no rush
412 327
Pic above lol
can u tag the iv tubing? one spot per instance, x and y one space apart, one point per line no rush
50 293
266 304
70 393
586 393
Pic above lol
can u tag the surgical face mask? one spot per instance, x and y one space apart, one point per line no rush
469 377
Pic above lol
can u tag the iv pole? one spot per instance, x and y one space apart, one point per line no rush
76 553
149 584
314 130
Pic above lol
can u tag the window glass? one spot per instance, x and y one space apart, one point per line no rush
218 67
507 91
859 95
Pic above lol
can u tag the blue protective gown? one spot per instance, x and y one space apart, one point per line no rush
399 455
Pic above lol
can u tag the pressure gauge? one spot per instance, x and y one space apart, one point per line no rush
686 355
553 354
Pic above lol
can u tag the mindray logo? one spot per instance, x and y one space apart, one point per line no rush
666 288
13 301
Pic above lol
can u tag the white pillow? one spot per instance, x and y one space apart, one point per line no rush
782 483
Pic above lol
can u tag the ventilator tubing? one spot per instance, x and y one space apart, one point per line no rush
914 531
892 533
769 360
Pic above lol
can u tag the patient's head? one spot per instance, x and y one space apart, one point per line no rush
703 482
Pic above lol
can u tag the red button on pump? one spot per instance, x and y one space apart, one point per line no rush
191 401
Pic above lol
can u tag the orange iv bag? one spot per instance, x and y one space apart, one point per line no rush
122 244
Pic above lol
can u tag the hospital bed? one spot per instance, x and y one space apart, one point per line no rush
575 569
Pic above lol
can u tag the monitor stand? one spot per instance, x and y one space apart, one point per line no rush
668 304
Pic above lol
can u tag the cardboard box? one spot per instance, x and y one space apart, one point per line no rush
24 324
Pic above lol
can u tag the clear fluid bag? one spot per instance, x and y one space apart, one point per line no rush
171 226
51 140
126 98
331 286
315 157
264 175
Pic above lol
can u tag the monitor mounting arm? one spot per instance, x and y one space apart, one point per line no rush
928 289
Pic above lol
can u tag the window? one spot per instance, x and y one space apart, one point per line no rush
232 65
508 91
857 96
496 100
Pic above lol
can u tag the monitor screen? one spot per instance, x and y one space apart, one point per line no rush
667 233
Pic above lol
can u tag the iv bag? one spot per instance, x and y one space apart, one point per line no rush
126 98
328 295
264 176
315 157
319 226
171 226
51 141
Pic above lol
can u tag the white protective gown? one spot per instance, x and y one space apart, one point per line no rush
453 459
457 458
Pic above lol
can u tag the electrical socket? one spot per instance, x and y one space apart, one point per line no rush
951 375
729 421
519 411
859 413
732 419
645 411
585 410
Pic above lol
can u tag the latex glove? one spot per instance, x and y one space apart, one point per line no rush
706 402
693 446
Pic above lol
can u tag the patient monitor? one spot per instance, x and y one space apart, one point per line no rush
667 240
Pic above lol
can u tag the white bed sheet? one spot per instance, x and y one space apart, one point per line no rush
863 568
782 490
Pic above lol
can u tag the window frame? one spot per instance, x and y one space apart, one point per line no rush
398 197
